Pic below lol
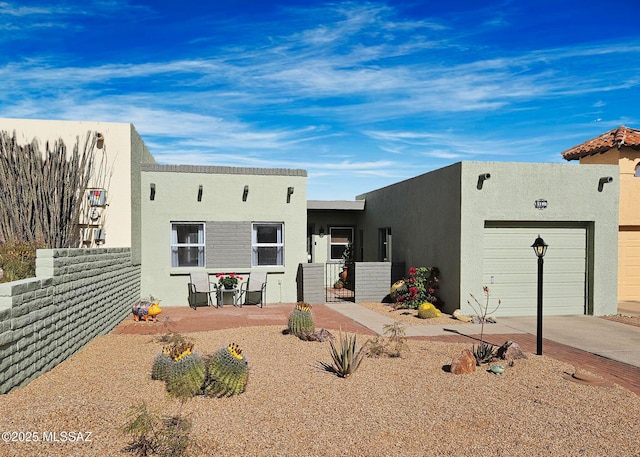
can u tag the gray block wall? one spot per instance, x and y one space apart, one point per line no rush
373 280
77 295
311 287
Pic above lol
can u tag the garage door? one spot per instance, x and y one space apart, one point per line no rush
510 269
629 264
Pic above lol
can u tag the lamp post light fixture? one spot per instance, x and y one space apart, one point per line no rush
540 249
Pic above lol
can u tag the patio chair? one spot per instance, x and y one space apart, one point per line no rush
253 291
199 285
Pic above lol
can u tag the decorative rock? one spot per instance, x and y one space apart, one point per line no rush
464 363
458 315
322 336
510 351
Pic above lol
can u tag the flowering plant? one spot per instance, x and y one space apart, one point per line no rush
418 288
228 281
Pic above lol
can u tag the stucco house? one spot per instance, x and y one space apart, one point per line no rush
121 154
620 146
221 220
475 221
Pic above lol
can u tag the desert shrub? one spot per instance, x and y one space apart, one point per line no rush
421 286
393 344
154 434
18 260
484 352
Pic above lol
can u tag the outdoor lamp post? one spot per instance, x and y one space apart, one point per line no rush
540 248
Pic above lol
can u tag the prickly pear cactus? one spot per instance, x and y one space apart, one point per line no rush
301 320
227 372
428 311
162 366
187 376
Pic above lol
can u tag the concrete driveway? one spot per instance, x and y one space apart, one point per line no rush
614 340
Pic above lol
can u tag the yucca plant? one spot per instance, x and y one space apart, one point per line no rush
346 359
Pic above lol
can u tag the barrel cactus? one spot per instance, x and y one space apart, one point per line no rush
178 350
428 311
227 372
301 320
162 366
187 376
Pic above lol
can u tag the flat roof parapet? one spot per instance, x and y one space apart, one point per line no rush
344 205
221 170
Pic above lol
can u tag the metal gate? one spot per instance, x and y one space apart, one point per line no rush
339 282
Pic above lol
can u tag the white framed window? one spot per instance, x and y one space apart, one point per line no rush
267 244
339 239
187 244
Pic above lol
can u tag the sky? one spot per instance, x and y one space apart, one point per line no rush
359 94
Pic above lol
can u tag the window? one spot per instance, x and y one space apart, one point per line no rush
267 244
384 244
187 244
340 238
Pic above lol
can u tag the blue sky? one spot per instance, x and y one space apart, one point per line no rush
360 94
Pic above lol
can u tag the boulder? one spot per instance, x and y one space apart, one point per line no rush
458 315
464 363
510 351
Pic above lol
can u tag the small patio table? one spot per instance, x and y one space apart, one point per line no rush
222 291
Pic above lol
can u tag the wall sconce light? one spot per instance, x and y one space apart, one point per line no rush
321 232
245 193
289 193
604 180
99 140
200 193
482 178
152 195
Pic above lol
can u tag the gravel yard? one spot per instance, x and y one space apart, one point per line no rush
390 407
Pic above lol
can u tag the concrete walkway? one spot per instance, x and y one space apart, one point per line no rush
613 340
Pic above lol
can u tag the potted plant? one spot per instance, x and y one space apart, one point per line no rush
228 281
347 265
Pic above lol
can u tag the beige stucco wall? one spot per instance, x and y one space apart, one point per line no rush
124 151
629 216
176 201
627 159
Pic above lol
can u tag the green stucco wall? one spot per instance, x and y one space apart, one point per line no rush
424 216
223 187
573 197
438 219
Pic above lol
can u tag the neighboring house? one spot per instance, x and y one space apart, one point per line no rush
620 146
221 220
476 221
123 152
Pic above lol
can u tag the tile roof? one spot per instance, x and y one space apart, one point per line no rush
618 137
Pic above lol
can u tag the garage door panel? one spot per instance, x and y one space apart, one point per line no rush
629 265
510 270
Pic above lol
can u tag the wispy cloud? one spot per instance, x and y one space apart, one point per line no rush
351 86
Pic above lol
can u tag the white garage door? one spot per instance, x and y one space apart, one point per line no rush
510 270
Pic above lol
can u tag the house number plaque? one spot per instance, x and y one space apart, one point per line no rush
541 203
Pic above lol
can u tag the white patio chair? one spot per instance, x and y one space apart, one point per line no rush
199 285
254 290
